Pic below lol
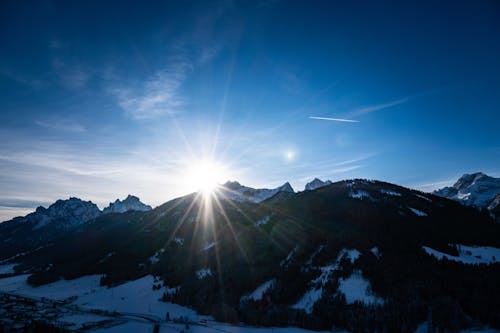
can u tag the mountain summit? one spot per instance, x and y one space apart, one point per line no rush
235 191
130 203
476 189
316 183
65 213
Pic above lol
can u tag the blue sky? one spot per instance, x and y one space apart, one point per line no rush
102 99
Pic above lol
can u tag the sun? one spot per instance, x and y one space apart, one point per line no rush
205 176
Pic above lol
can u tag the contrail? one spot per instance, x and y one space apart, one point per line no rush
335 119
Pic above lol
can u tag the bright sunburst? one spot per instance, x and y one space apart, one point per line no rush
205 176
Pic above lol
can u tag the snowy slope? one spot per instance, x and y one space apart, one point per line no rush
258 293
357 289
469 254
134 296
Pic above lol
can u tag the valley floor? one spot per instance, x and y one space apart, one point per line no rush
83 305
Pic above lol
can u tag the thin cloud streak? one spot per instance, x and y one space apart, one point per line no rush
335 119
429 187
65 125
378 107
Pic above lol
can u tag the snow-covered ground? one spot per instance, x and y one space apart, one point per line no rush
208 246
352 254
59 290
257 294
179 240
389 192
211 327
263 220
130 327
217 328
360 194
423 197
307 301
155 258
134 296
417 212
80 319
285 262
376 252
135 299
357 288
203 273
469 254
7 269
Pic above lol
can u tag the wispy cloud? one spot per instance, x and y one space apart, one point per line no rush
38 169
22 203
159 95
72 76
335 119
378 107
30 81
161 92
61 124
429 187
7 213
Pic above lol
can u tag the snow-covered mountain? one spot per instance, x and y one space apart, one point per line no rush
339 249
316 183
66 213
236 191
477 189
130 203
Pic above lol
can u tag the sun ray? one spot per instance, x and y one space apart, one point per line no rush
228 222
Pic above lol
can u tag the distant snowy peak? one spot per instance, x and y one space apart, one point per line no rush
315 184
130 203
65 213
236 191
477 189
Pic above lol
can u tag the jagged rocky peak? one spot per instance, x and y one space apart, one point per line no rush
70 212
479 178
316 183
285 188
233 190
129 203
476 189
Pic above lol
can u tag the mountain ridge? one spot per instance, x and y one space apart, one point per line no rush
476 189
311 244
233 190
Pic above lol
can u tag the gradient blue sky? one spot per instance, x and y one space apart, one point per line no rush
104 98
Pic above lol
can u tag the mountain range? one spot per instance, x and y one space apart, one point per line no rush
358 254
47 224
